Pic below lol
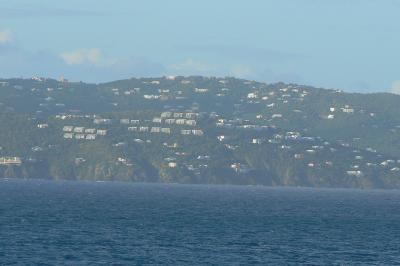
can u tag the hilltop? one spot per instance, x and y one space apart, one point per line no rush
199 130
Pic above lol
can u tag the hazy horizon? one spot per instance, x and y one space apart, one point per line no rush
345 45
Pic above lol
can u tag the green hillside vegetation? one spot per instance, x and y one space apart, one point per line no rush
199 130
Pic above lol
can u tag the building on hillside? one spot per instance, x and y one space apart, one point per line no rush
197 132
157 120
170 121
79 129
221 138
101 132
186 131
90 131
347 109
68 128
166 114
80 136
41 126
252 95
190 115
191 123
172 164
298 156
178 115
91 136
198 90
155 130
102 121
166 130
180 121
143 129
356 173
256 141
10 161
276 116
68 135
151 96
240 168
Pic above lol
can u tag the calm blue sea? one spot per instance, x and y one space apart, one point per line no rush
91 223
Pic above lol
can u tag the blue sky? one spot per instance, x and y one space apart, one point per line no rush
346 44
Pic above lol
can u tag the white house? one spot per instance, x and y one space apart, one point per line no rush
169 121
42 126
79 129
190 115
68 135
276 116
200 90
157 120
186 132
90 131
68 128
252 95
178 115
191 122
10 161
101 132
143 129
180 121
172 164
102 121
356 173
80 136
197 132
155 130
166 130
90 136
166 114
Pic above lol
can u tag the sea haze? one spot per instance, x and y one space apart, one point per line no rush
80 223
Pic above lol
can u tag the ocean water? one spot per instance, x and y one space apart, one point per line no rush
91 223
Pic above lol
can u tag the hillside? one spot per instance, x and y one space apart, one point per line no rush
199 130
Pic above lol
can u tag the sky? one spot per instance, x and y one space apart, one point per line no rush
342 44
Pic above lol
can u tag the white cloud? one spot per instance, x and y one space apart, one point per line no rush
396 87
242 71
82 56
88 65
5 36
193 66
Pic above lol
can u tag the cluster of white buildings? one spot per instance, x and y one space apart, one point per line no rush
166 118
283 95
102 121
144 129
82 133
195 132
10 161
42 126
178 115
165 130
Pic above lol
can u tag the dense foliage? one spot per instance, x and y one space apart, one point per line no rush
244 132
